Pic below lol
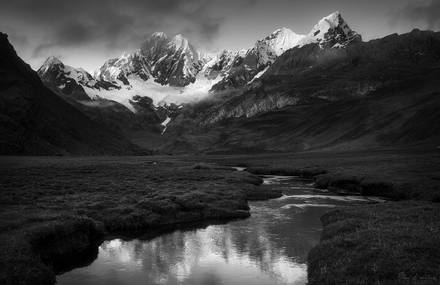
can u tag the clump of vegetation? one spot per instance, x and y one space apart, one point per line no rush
391 242
287 171
344 184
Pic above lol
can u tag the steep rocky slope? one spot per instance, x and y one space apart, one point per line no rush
384 92
312 74
330 32
34 120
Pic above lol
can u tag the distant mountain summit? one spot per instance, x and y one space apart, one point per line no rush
173 62
268 49
330 32
73 82
333 31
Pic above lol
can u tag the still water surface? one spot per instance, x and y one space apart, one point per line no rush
270 247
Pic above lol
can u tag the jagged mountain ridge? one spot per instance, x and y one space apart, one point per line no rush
173 62
173 71
71 81
306 74
331 32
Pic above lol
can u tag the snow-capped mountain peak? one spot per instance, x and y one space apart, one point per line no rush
159 35
49 63
332 30
269 48
178 42
70 80
52 60
281 40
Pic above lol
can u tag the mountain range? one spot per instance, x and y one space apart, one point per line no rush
171 70
289 92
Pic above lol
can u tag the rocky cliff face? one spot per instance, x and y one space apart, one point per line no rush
332 31
255 103
220 65
173 62
72 82
119 69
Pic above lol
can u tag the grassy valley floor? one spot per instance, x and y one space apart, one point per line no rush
55 209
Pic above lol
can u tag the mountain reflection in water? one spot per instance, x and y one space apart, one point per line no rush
270 247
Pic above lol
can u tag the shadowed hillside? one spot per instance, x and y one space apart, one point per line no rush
380 93
36 121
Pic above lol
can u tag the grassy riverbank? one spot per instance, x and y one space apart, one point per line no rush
55 209
399 174
392 243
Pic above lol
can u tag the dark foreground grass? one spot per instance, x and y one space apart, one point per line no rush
53 210
392 243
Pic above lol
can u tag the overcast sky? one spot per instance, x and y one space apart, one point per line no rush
85 33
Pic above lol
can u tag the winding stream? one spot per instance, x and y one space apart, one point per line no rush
270 247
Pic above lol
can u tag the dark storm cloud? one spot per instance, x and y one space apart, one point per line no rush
74 32
428 12
113 22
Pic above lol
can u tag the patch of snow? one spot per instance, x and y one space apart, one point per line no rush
179 42
338 45
282 40
239 168
259 74
334 197
164 124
